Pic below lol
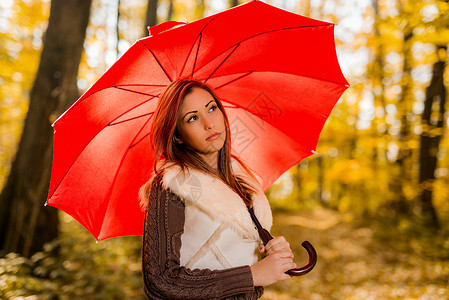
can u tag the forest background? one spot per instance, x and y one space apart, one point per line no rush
374 200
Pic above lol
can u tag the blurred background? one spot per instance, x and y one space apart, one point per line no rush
373 200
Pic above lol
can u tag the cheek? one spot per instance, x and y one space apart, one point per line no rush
219 119
189 134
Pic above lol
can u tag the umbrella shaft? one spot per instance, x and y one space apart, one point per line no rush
265 236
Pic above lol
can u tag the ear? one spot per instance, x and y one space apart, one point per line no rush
177 140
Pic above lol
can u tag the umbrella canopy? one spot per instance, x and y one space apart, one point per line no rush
276 73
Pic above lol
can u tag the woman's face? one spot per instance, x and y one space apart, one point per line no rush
201 124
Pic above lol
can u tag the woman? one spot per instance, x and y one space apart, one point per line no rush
199 240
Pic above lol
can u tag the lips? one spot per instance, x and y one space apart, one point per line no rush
214 136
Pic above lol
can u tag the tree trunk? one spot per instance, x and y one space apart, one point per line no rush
433 127
403 164
25 224
151 18
377 70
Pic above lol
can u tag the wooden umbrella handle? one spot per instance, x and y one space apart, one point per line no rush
309 266
265 236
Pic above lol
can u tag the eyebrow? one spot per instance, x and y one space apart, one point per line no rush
195 111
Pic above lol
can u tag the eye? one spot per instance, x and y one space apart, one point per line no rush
192 118
213 107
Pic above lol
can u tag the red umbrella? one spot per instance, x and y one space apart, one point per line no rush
276 73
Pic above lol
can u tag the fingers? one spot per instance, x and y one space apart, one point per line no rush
280 256
284 259
284 277
289 265
272 268
277 244
285 253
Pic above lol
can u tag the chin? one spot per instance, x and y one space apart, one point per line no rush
211 148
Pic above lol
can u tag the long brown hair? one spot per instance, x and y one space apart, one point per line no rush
163 133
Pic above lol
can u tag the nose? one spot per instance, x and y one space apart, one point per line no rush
208 123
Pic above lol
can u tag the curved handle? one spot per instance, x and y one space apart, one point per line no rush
309 266
265 236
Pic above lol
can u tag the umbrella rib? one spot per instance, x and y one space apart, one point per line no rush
258 34
110 124
140 140
233 80
137 92
160 65
190 51
236 106
130 119
300 75
118 168
236 46
132 108
85 96
142 84
200 36
118 87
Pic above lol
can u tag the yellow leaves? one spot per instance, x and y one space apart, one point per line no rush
19 59
434 36
410 190
188 10
431 131
380 259
349 172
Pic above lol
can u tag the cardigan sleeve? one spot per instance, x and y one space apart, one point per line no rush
163 276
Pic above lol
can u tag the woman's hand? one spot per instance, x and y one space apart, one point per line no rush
274 245
272 268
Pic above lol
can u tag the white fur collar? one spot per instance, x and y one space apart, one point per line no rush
215 198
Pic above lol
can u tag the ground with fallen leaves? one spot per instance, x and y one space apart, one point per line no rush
363 259
358 258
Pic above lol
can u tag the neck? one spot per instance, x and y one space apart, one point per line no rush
211 160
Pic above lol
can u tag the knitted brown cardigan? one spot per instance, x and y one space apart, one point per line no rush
163 276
